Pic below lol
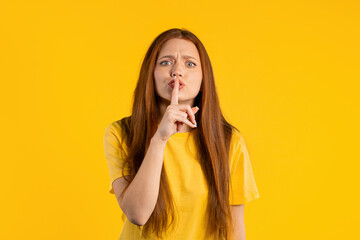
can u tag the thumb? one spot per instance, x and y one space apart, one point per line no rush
195 109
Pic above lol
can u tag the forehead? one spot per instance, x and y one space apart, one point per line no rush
182 46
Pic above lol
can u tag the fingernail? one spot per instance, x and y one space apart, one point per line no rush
197 107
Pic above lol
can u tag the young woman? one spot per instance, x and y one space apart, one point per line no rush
178 169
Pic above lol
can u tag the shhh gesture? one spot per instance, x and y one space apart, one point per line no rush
176 115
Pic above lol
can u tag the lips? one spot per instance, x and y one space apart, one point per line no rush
172 84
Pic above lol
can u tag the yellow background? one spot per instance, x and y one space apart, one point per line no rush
287 75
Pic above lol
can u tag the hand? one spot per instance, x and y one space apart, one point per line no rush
175 115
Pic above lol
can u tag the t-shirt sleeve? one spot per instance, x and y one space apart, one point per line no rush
243 187
113 154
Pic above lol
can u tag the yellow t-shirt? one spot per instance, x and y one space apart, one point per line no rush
187 181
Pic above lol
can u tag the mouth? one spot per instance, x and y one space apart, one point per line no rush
172 84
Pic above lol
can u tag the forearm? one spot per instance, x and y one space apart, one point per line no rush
140 198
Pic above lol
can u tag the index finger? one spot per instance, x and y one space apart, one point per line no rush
175 92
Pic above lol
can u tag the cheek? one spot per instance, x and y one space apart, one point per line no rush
158 75
195 85
198 79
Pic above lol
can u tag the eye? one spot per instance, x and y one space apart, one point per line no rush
192 63
161 63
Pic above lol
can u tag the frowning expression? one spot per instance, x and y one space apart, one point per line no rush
178 57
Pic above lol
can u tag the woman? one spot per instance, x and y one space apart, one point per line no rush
178 169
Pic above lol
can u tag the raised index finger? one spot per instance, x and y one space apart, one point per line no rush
175 92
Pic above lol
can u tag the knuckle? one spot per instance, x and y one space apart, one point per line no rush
172 117
171 110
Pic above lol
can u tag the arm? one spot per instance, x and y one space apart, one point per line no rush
139 200
237 214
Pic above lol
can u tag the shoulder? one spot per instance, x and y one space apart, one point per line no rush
237 143
117 127
237 137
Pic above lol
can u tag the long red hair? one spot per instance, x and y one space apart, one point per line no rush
212 138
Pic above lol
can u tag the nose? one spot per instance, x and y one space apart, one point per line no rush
177 70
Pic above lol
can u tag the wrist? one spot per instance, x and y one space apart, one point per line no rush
156 138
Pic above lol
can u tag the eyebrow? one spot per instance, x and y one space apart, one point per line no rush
184 56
